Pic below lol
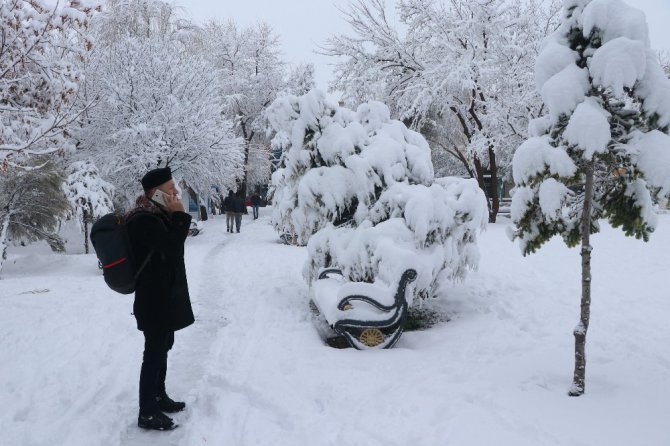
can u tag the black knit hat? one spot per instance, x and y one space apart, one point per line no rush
156 177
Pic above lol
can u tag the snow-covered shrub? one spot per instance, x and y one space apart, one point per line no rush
359 187
337 162
603 150
432 229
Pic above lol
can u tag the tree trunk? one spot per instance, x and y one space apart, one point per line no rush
479 170
248 137
4 231
85 232
578 381
495 199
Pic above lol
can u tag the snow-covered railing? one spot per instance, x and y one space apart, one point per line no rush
366 315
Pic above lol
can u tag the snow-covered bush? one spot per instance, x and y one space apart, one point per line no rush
603 150
359 187
89 195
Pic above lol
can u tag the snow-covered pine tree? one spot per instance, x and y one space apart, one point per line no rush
89 195
298 122
603 150
33 205
358 187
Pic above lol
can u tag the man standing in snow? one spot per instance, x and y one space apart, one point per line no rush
255 203
239 208
162 303
229 210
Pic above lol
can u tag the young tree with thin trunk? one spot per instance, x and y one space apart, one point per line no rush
603 150
89 195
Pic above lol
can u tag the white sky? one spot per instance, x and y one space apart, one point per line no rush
304 24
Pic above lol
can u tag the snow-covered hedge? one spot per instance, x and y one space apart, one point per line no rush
359 188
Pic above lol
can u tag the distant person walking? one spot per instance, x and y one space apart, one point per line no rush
229 210
255 204
162 304
239 208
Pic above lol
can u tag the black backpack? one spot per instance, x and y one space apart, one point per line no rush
120 269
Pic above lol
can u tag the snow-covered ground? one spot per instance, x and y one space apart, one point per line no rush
254 372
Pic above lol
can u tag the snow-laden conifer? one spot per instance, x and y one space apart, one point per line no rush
33 205
602 151
359 188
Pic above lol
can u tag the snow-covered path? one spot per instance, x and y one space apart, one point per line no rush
254 372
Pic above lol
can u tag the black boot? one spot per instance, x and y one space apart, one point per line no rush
156 421
167 404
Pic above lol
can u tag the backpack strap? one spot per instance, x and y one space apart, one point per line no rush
131 216
144 264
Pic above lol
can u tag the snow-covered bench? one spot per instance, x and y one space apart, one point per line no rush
365 315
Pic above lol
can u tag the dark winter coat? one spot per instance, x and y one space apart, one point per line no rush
162 301
238 205
255 200
229 204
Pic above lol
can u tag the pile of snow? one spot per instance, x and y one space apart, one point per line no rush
253 370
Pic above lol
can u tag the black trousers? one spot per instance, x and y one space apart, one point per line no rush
154 368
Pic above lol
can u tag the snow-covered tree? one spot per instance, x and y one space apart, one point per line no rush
602 151
664 61
252 75
38 79
157 104
89 195
33 204
300 79
259 166
358 187
460 64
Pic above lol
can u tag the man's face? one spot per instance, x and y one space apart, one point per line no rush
170 188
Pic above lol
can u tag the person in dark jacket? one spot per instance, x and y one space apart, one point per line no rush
239 208
255 204
162 302
229 210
